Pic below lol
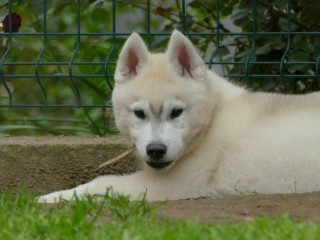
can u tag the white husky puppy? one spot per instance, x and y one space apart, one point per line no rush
201 136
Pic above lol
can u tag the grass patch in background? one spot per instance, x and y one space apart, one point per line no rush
21 217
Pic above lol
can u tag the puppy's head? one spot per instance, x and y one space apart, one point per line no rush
159 100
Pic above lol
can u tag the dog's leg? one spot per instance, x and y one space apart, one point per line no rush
133 185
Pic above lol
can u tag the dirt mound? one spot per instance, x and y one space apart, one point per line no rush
46 164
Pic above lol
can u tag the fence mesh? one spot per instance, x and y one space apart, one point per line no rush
65 52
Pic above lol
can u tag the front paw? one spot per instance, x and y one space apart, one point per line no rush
56 197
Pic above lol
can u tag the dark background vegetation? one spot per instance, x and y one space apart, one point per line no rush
279 62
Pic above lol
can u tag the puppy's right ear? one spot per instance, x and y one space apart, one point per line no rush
132 58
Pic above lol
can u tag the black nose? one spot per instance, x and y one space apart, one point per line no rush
156 150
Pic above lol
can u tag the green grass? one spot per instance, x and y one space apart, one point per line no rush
21 217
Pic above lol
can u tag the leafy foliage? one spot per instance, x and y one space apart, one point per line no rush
64 69
54 53
263 55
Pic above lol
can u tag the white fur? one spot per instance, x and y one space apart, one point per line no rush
227 139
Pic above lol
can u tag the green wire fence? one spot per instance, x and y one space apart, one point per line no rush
69 48
216 35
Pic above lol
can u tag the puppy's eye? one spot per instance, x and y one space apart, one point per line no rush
176 113
140 114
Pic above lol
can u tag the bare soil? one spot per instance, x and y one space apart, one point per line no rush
43 165
298 207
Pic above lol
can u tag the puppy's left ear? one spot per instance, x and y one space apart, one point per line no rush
184 58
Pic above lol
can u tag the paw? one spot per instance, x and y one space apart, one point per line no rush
56 197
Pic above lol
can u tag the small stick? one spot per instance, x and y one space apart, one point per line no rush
117 158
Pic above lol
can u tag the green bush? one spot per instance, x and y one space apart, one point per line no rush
270 62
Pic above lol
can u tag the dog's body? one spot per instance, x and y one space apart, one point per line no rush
201 136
